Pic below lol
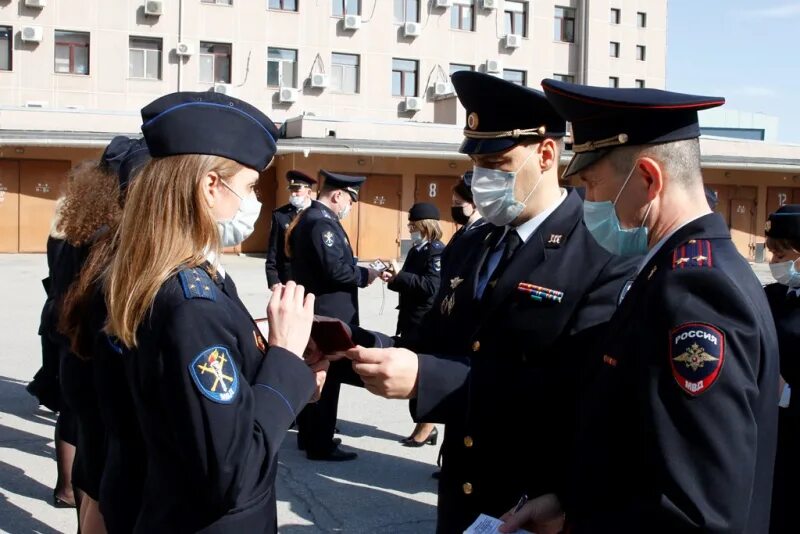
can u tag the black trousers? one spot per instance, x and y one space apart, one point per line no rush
317 421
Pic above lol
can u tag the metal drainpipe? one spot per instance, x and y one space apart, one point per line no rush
180 39
583 58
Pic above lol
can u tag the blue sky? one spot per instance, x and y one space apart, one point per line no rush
746 51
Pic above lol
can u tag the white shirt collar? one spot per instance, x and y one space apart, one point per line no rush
422 244
213 259
661 242
526 229
795 290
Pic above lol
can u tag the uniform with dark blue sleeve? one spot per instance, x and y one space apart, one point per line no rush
502 369
214 403
677 428
784 301
417 284
278 267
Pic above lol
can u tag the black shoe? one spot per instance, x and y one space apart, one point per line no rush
436 475
302 446
334 455
432 439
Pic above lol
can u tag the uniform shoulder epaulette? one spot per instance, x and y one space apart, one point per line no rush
694 253
197 284
438 245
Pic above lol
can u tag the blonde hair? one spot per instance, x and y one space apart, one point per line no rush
167 225
55 223
429 228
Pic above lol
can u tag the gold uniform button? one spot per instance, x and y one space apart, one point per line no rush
467 487
476 346
468 441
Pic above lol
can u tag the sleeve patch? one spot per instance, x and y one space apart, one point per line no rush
696 354
214 374
437 264
327 238
197 284
693 253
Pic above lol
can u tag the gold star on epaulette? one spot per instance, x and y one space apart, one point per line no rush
455 282
699 258
681 261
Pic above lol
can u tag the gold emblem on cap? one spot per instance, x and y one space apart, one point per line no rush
768 226
472 121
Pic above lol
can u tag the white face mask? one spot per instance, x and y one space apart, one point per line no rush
235 230
785 273
416 238
493 193
299 202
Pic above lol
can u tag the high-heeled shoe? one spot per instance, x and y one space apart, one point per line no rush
432 439
58 502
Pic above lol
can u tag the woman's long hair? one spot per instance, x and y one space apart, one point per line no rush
91 202
167 225
429 228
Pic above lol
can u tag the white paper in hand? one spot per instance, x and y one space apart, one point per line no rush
486 524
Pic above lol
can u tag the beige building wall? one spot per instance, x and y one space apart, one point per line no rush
108 100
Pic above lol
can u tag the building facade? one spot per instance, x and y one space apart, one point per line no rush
360 86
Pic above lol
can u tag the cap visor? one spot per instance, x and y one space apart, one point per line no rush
584 160
486 146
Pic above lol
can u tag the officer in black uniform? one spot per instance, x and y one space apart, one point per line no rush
783 241
277 265
464 213
418 281
677 431
214 401
525 300
323 261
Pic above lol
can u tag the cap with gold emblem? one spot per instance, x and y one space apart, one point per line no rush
299 179
603 118
501 114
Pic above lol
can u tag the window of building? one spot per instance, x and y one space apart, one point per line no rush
144 58
346 7
616 15
456 67
639 84
613 81
218 2
565 24
754 134
281 67
514 76
283 5
215 62
71 52
462 15
564 78
344 73
406 11
404 77
613 49
516 18
641 52
6 37
641 19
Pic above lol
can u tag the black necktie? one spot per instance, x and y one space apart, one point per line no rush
489 273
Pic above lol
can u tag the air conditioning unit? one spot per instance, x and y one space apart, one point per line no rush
413 103
352 22
319 80
184 49
442 3
490 4
443 89
35 3
154 8
493 65
223 88
412 29
513 41
31 34
288 94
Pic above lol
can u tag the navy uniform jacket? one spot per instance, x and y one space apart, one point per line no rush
278 266
502 373
453 244
677 432
323 262
417 284
785 308
214 404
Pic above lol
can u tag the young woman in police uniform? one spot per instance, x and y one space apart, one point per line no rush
783 241
213 398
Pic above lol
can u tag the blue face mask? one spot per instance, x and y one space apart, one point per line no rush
602 222
785 273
